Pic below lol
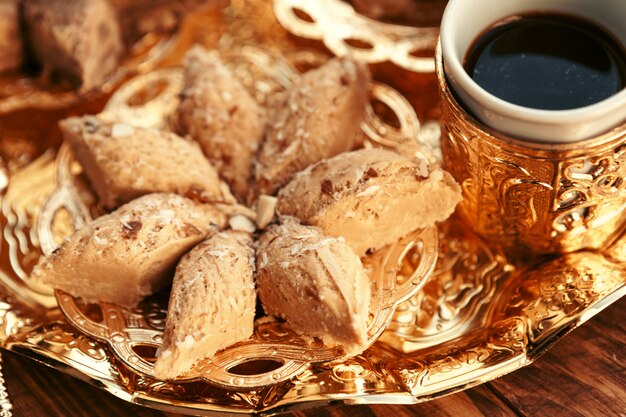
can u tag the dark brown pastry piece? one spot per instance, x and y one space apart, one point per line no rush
127 255
11 54
212 302
316 283
370 197
218 112
78 40
123 162
319 117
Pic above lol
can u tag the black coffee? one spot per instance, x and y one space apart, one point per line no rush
547 61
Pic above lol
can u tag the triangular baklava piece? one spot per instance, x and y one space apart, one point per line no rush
212 302
316 283
124 162
370 197
129 254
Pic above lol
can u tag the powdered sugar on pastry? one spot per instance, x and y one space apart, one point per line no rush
218 113
123 162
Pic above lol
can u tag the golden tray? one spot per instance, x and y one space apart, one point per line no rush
480 315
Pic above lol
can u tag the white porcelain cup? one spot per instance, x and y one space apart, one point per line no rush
464 20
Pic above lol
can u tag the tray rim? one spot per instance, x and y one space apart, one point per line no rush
52 360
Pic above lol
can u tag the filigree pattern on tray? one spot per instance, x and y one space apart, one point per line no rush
455 298
344 32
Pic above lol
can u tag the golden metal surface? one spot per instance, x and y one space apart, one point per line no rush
344 31
540 198
479 317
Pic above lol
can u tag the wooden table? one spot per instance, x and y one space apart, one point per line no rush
583 375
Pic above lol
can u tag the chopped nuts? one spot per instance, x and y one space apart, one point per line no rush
242 223
266 207
119 130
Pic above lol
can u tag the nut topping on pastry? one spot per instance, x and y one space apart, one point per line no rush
123 162
218 112
212 302
265 210
315 282
371 197
319 117
124 256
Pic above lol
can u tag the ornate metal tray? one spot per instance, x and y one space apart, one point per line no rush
480 316
344 31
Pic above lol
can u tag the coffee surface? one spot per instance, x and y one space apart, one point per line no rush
547 61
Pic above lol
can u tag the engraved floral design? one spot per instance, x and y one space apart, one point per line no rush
464 281
592 192
554 293
423 373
